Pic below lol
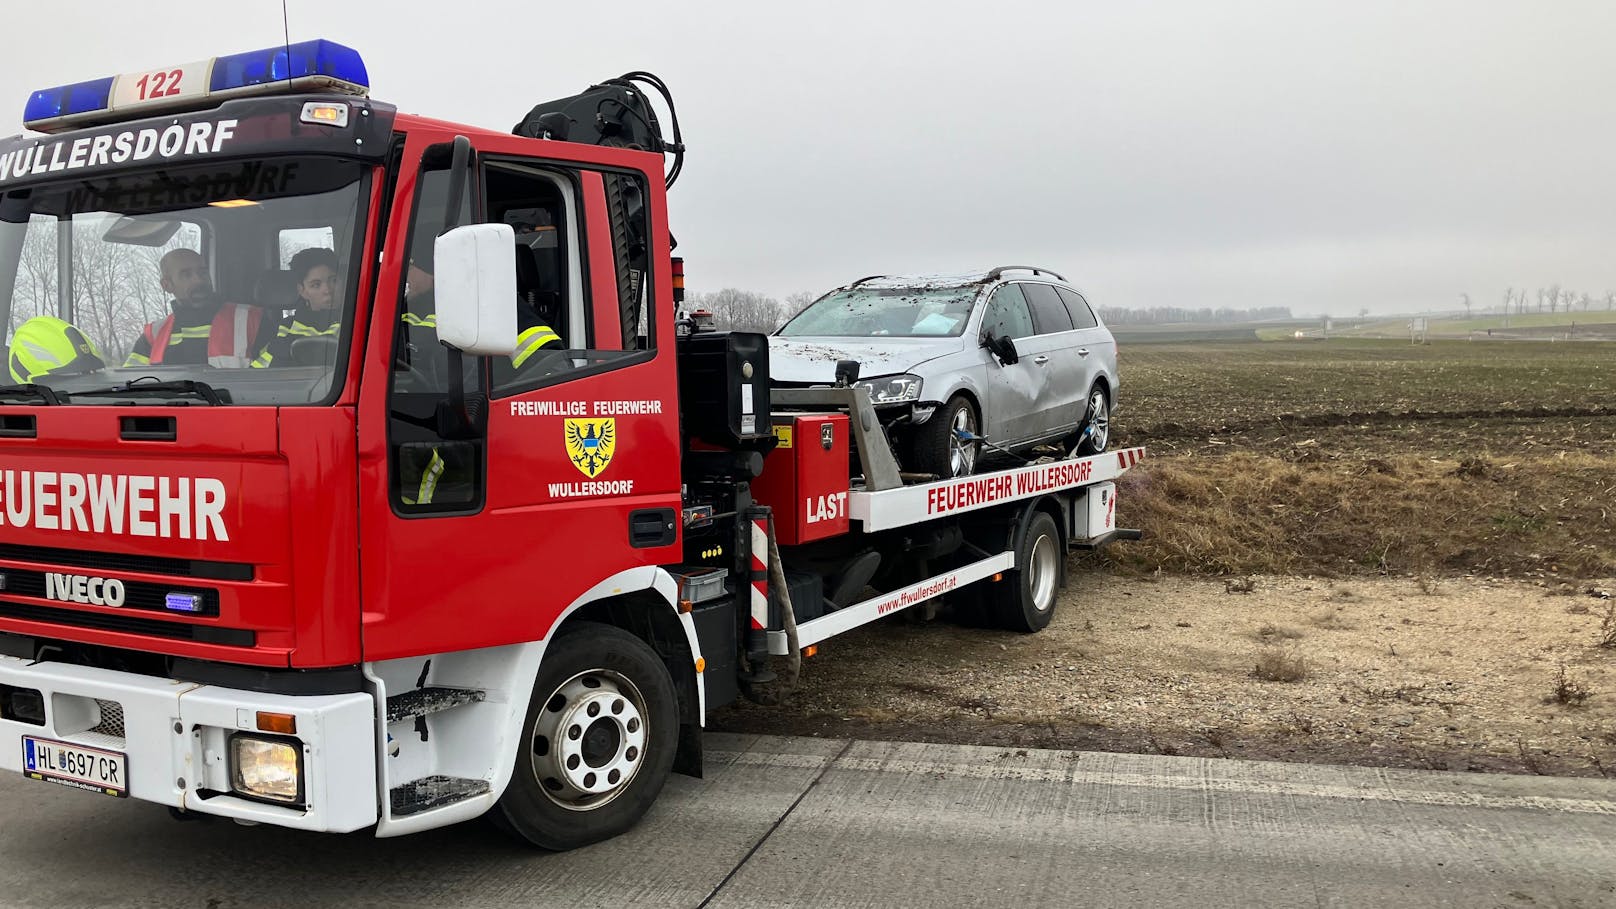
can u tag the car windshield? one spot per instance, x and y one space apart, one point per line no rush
234 275
885 312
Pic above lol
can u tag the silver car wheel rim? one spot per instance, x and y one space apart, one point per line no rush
1099 421
1043 570
589 739
962 453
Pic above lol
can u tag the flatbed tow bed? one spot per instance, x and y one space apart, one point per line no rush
1085 484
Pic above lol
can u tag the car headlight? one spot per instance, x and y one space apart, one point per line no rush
891 389
270 769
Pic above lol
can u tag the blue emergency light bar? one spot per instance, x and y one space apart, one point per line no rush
285 69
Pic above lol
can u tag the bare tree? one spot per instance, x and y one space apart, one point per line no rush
1465 299
1610 300
797 302
740 310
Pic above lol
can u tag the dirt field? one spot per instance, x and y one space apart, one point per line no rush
1459 674
1428 532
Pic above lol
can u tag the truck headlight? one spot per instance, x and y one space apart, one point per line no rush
269 769
891 389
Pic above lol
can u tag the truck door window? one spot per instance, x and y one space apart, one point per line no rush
565 328
430 473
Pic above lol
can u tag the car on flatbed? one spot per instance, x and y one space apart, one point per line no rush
961 368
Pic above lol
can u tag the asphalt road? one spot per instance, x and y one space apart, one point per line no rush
810 822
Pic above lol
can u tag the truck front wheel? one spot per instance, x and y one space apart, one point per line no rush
597 742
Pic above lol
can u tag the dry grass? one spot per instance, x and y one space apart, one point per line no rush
1276 664
1568 691
1248 513
1607 628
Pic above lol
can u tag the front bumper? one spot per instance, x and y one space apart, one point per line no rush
175 736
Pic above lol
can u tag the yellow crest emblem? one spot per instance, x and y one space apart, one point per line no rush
590 444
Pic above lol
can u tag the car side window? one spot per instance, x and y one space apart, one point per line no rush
1007 313
1048 312
1082 316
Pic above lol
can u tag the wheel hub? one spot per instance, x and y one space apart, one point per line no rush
1043 573
589 739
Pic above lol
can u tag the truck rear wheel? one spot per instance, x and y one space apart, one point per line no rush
1027 602
597 742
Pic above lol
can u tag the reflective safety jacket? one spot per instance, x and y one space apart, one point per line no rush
293 329
229 340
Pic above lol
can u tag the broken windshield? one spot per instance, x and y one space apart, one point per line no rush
238 276
896 312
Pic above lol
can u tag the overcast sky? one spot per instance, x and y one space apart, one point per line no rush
1322 156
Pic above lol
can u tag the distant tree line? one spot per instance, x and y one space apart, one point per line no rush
748 310
1151 315
1553 298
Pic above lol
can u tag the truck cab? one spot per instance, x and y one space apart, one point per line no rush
313 526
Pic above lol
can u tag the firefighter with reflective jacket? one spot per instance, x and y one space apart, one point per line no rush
420 350
201 329
46 345
319 306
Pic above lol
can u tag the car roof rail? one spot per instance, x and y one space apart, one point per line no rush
997 272
865 278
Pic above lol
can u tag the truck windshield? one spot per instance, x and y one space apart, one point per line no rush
236 275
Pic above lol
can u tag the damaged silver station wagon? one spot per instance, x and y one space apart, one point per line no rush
962 367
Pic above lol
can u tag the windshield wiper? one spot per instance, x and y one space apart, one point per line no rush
150 386
43 392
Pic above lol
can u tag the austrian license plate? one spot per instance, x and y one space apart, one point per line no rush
75 765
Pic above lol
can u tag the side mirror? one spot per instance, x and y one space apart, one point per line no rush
475 287
1002 347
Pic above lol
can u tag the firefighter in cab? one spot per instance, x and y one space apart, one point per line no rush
46 345
318 312
200 328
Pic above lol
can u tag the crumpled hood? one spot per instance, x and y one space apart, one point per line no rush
814 359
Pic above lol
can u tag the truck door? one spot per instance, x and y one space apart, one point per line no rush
573 474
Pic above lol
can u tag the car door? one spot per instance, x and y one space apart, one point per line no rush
1096 349
1055 349
1011 390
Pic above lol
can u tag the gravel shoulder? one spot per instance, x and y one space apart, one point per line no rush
1465 673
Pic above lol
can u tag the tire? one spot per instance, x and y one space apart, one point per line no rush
607 697
937 450
1094 433
1027 602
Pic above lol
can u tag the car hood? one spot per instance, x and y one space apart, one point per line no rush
814 359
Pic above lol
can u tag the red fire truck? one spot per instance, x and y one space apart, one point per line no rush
494 533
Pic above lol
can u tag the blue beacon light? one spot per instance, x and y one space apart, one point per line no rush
308 66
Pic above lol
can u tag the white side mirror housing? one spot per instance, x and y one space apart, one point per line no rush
475 287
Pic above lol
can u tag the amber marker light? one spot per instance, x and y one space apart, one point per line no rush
280 723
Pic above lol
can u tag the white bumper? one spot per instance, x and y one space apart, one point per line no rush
176 739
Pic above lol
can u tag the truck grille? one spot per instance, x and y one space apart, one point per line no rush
180 631
137 594
114 561
111 719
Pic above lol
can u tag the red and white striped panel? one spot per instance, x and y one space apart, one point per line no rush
760 564
1128 457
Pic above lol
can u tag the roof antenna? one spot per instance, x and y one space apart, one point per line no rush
286 35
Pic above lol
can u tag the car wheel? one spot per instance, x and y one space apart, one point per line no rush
1025 601
597 743
1094 433
938 446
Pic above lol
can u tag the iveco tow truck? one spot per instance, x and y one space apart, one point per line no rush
399 579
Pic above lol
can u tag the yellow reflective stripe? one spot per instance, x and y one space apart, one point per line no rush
531 340
307 331
191 333
264 359
431 320
429 480
137 360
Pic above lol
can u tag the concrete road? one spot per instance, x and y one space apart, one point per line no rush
808 822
